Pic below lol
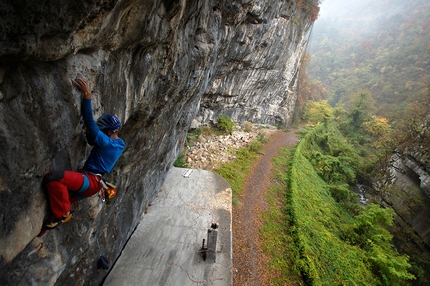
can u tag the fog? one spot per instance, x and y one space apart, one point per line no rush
360 10
382 46
361 16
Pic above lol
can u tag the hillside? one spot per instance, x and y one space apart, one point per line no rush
382 46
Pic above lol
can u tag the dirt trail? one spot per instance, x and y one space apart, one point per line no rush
249 263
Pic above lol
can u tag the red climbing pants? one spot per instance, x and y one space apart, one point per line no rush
64 192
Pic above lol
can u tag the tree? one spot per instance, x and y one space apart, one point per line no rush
371 234
414 129
361 108
381 132
318 111
309 89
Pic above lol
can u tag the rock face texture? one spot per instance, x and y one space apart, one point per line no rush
406 190
411 196
150 62
257 66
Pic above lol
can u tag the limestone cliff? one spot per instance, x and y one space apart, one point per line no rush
257 64
150 62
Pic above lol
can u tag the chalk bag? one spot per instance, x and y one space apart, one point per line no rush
103 263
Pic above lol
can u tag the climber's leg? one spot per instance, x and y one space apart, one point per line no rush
58 192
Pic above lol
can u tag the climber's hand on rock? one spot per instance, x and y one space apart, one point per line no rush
83 85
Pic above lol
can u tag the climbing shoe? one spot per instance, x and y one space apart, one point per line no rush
54 222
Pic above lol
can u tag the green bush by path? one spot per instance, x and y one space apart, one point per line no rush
276 243
330 247
180 161
317 226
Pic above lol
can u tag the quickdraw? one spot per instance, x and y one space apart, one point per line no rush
108 191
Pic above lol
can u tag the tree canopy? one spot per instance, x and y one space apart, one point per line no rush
380 46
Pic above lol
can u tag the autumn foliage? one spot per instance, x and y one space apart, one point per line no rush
311 6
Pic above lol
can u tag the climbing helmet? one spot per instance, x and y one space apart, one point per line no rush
109 122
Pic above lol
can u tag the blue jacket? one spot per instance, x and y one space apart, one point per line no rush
106 151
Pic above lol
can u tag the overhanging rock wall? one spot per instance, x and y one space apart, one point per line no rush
150 63
257 64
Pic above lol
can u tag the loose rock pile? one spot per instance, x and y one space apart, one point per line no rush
209 151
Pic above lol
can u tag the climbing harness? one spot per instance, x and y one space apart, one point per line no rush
107 190
84 188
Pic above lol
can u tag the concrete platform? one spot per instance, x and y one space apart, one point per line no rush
165 248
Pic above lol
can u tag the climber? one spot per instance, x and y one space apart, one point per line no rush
70 187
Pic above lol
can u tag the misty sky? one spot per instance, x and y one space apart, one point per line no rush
360 17
359 9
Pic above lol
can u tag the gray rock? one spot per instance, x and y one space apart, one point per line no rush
408 196
153 64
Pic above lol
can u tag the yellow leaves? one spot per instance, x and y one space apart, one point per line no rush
318 111
380 130
378 125
409 84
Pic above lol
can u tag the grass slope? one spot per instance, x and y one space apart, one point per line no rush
317 220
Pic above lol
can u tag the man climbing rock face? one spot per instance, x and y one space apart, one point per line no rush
70 186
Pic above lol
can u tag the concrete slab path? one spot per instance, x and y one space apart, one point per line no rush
165 247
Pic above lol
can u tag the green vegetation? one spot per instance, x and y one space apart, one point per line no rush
275 239
357 248
180 161
225 123
320 232
317 229
370 137
235 172
363 45
377 104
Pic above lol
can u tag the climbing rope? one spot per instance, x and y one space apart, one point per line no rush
38 248
307 48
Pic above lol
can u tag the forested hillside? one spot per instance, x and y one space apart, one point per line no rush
336 242
365 84
381 46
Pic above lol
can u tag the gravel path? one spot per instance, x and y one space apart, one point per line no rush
249 263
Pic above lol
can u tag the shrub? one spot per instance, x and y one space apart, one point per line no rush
247 126
318 206
192 136
339 192
180 161
225 123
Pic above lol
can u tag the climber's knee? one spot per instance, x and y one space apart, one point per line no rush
53 175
